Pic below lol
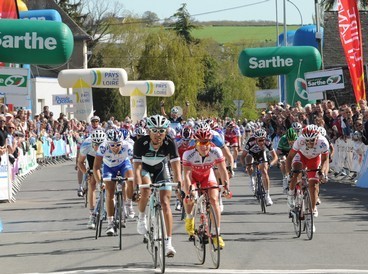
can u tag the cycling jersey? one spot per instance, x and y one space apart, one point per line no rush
184 146
113 160
217 139
284 145
201 167
231 136
258 153
321 147
154 163
86 148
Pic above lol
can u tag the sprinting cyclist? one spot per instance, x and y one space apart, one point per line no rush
285 144
297 127
257 148
88 151
233 138
151 156
138 133
115 154
309 151
198 163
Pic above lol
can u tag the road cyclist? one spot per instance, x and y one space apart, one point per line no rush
115 154
259 148
88 152
285 144
310 151
152 154
198 164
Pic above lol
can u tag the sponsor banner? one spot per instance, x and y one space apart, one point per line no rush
351 40
35 42
14 80
47 14
63 99
324 80
266 96
8 9
149 88
83 106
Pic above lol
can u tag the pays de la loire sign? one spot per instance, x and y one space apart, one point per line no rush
324 80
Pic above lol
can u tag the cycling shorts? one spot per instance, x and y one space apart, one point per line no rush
90 161
204 181
111 172
312 163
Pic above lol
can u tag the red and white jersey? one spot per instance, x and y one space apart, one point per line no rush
232 133
201 166
322 147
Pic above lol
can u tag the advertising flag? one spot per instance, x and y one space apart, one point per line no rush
9 9
351 40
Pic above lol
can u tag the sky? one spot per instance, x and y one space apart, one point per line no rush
235 10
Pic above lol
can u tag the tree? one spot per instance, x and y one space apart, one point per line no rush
150 18
330 4
183 24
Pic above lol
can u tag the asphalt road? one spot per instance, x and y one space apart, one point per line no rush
45 232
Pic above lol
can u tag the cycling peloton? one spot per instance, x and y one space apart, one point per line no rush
151 155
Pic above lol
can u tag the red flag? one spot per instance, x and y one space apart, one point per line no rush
351 39
9 9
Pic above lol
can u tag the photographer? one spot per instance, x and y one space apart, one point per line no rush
14 140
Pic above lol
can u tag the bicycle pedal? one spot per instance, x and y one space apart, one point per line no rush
191 238
145 239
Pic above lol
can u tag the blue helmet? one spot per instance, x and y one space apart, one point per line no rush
114 135
125 132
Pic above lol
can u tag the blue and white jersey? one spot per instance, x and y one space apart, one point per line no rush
217 139
112 160
86 148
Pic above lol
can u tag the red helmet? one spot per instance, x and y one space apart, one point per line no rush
203 134
310 132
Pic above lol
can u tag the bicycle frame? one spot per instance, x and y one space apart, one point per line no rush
156 233
259 192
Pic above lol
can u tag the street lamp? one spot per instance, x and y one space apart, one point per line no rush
300 14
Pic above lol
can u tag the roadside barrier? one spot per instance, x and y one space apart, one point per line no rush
46 152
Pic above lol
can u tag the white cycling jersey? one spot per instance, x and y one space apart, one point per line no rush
112 160
321 147
86 148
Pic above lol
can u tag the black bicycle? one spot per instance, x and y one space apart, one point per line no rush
259 191
85 185
303 210
119 216
100 210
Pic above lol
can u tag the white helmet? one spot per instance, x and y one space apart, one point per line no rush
322 131
98 136
158 121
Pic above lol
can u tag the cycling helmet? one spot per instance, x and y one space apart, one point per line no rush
125 132
357 136
322 131
202 125
291 134
229 124
260 133
203 134
190 123
248 127
310 132
186 133
114 135
93 118
175 110
296 126
140 131
158 121
98 136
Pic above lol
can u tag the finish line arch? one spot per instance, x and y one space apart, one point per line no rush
292 62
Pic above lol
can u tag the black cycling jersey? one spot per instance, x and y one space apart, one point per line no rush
155 162
260 155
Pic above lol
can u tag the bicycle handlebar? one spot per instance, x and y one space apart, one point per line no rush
157 185
304 170
120 178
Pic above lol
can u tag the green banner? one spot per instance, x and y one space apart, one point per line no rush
35 42
290 61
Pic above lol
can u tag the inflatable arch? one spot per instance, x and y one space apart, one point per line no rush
290 61
82 81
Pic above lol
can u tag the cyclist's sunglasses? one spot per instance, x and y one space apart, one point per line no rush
115 144
96 144
95 121
158 130
310 141
260 140
203 143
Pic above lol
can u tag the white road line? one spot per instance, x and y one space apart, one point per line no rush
219 271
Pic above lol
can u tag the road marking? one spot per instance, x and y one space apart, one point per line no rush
219 271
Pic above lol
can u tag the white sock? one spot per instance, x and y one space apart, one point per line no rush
168 240
291 192
128 202
218 229
110 219
189 216
141 215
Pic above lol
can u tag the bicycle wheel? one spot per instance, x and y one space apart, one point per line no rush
150 238
261 194
86 186
100 214
214 237
295 218
308 214
160 239
199 234
119 218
